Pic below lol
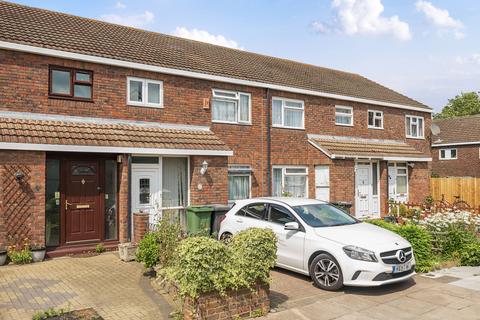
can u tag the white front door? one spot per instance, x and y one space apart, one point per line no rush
363 182
146 195
322 183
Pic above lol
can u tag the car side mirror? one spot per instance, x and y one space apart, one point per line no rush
292 226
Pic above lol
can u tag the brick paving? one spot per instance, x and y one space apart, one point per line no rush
115 289
295 297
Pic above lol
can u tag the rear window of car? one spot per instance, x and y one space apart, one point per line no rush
255 211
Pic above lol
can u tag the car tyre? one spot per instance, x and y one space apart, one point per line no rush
226 237
326 273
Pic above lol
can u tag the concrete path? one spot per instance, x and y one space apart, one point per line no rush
295 297
115 289
468 277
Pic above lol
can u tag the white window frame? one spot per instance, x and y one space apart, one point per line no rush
416 118
249 175
236 99
344 115
284 174
449 152
145 102
375 117
284 106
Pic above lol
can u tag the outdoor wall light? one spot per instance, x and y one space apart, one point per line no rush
19 175
204 167
411 164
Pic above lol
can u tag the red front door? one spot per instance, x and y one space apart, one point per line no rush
82 201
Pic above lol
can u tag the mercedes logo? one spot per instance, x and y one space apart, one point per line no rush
401 256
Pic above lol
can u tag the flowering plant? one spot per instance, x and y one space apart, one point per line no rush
443 221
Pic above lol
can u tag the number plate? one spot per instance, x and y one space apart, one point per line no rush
402 267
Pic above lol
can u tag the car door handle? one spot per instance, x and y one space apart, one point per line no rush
240 220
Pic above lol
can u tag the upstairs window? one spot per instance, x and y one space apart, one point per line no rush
375 119
144 92
70 83
448 154
287 113
414 127
231 107
343 116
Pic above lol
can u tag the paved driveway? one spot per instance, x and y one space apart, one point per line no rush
115 289
294 297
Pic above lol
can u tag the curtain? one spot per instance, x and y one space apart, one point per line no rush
244 108
238 187
277 182
293 118
153 93
224 110
295 186
277 112
174 182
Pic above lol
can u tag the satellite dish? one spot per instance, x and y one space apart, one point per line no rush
435 129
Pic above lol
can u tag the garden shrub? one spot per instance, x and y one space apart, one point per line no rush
200 265
420 239
19 256
470 254
169 234
455 240
253 253
148 250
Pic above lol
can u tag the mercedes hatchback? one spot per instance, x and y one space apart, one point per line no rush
324 242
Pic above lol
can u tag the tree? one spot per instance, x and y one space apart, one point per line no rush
465 104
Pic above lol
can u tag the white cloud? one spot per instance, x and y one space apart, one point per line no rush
205 36
133 20
440 18
120 5
364 17
471 59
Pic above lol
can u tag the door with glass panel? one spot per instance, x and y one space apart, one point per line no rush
398 181
363 182
322 183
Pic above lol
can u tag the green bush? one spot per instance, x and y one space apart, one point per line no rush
253 252
200 265
420 239
148 250
470 254
455 240
21 256
169 234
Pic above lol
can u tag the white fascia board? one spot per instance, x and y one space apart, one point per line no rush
104 149
316 145
192 74
409 159
455 144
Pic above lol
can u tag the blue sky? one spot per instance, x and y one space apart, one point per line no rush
427 50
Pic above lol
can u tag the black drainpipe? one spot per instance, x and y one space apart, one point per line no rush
269 151
129 198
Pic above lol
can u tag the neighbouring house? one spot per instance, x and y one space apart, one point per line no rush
456 147
99 121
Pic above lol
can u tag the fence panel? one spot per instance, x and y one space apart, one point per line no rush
468 189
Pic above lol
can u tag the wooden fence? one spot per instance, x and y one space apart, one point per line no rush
468 189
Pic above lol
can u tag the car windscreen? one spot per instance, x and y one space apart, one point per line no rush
323 215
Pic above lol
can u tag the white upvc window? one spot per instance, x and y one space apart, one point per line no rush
288 113
290 181
144 92
231 107
448 154
375 119
344 116
414 127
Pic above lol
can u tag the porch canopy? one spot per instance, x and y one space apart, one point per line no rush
337 147
29 131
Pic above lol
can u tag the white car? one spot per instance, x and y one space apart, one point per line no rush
320 240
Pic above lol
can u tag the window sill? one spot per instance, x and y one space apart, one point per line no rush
234 123
130 104
376 128
416 138
284 127
447 159
70 98
343 124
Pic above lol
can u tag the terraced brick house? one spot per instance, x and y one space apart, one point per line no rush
456 147
99 121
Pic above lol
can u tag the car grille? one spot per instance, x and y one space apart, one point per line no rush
389 276
389 257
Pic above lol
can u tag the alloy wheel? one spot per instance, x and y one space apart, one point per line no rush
327 272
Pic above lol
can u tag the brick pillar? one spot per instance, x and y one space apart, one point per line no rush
123 199
140 226
383 188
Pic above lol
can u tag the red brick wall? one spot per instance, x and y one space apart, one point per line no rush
418 182
123 199
140 226
212 186
22 203
467 163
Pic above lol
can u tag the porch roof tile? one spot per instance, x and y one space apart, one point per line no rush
57 132
349 147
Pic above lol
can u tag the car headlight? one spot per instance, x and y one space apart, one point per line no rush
358 253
